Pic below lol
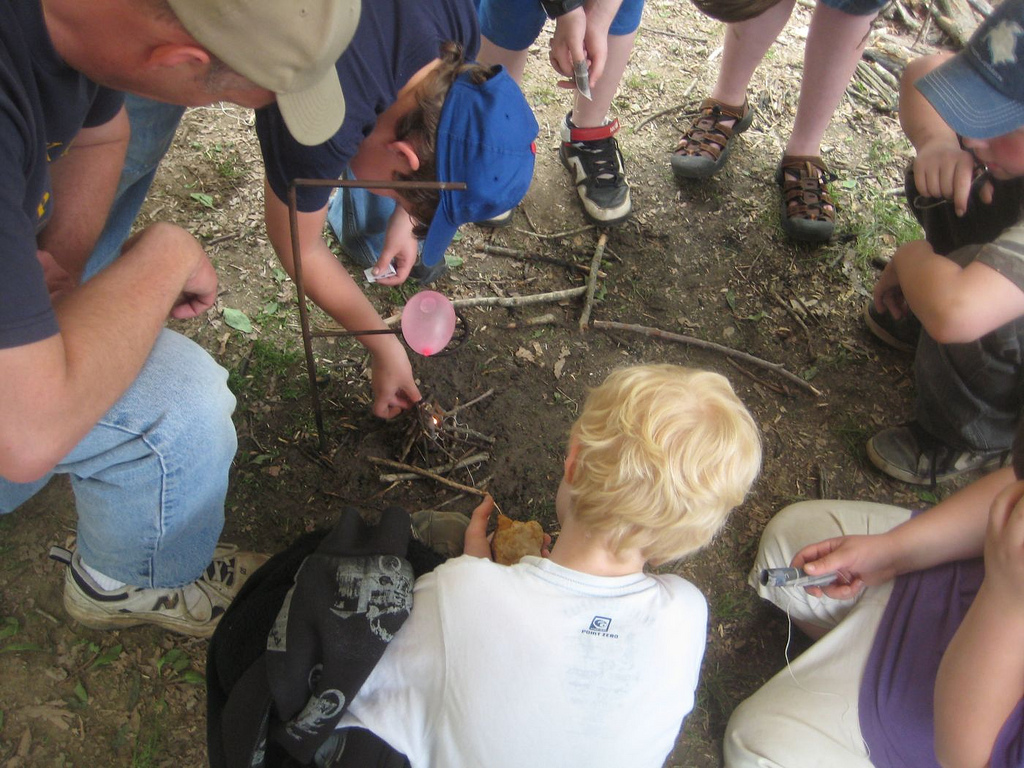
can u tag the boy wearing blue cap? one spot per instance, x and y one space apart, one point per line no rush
412 113
964 284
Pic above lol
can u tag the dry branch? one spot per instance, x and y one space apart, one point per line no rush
554 235
657 333
451 466
468 403
519 301
595 262
426 473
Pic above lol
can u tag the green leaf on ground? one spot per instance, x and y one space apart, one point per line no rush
203 199
107 657
237 319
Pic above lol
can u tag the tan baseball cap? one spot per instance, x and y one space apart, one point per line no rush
287 46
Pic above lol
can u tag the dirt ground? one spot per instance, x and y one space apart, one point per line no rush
703 259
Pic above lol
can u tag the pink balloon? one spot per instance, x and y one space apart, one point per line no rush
428 322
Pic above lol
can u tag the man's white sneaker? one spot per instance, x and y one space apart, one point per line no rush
193 609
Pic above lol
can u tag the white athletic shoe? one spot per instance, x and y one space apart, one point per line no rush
193 609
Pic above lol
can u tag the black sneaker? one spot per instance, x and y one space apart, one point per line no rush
593 158
910 454
899 334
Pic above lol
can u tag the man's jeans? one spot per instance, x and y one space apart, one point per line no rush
153 126
151 477
969 396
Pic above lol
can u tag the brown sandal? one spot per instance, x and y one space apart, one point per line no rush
705 146
808 212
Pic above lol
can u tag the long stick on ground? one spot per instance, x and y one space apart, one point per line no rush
595 262
520 301
451 466
507 301
426 473
728 351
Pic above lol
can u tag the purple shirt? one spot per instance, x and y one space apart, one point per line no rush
897 718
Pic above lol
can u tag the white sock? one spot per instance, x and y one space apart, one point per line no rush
102 580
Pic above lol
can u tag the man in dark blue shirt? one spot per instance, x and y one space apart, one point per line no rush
92 384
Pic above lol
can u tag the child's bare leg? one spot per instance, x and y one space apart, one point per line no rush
590 114
834 46
746 43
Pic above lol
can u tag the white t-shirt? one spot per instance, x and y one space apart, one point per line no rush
537 665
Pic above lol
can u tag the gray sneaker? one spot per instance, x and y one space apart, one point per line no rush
910 454
193 609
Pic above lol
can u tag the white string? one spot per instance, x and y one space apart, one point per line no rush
797 683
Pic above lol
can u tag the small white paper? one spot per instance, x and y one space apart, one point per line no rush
372 278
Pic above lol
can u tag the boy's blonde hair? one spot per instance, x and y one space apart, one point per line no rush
664 453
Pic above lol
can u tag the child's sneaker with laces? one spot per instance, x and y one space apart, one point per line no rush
593 158
193 609
910 454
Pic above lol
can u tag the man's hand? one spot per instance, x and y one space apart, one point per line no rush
199 293
200 289
394 389
400 248
943 170
856 560
478 544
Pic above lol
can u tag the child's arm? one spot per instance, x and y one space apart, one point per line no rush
329 284
955 304
952 530
941 168
981 677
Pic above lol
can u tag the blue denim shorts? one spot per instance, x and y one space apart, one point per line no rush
856 7
515 24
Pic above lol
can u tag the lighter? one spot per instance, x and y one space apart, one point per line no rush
794 577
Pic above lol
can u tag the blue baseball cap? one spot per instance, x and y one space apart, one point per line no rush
980 91
485 138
